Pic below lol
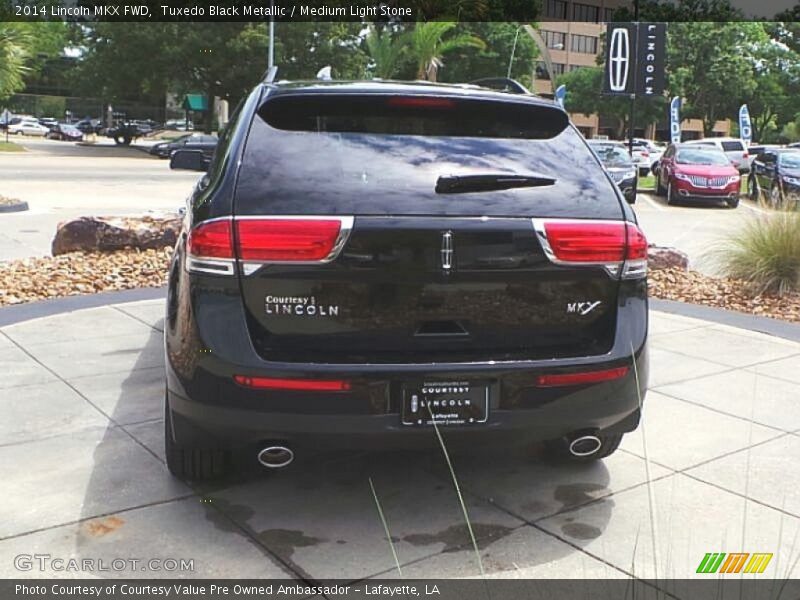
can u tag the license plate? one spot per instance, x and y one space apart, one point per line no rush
446 403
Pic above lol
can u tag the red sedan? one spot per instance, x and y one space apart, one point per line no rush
691 172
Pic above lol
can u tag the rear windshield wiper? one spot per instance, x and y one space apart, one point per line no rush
458 184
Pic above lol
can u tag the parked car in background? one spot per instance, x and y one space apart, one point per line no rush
27 127
645 154
193 141
381 258
776 175
89 126
64 132
733 148
697 172
754 150
179 125
617 161
48 122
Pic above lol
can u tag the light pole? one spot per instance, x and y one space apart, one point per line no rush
271 52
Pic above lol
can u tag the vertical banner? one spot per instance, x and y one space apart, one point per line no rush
675 120
652 45
561 94
635 55
618 77
745 128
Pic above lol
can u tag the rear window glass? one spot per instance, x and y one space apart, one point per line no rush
413 115
330 154
732 146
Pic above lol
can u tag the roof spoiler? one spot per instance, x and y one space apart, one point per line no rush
502 84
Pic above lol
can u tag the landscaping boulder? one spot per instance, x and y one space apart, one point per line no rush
92 234
663 257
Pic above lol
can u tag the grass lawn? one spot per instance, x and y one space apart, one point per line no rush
10 147
648 182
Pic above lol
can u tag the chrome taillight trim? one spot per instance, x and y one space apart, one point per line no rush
212 266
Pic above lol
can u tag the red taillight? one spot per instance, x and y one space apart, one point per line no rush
645 153
309 385
286 239
637 243
562 379
594 241
420 102
211 239
586 242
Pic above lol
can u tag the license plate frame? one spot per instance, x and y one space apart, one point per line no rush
451 403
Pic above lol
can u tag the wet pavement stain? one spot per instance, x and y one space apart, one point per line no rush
581 531
575 494
284 542
102 527
535 507
457 536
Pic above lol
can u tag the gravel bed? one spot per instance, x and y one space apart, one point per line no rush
78 273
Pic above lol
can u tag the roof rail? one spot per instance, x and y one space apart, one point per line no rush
270 74
502 84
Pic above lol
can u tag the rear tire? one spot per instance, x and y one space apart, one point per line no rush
660 189
558 450
753 189
671 198
195 463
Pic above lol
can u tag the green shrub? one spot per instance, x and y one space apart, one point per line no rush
765 253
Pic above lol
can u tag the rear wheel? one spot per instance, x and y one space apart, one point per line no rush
660 189
775 196
559 450
671 196
196 463
752 189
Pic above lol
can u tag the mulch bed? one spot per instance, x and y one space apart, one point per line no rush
78 273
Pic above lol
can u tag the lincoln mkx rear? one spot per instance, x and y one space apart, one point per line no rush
365 261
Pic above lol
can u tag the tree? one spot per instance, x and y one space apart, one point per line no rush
713 66
385 51
428 46
13 56
585 95
681 10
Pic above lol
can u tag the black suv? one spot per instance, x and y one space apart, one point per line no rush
365 264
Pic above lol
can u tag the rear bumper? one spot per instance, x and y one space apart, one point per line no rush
207 343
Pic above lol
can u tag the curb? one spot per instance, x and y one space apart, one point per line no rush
731 318
47 308
10 208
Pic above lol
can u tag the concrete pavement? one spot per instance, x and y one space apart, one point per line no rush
82 466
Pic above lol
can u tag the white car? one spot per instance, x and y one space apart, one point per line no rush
733 148
28 127
646 153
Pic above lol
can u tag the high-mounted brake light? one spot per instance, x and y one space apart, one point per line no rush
420 102
287 240
308 385
619 246
562 379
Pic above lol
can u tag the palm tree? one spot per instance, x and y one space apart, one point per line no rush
13 55
428 46
385 50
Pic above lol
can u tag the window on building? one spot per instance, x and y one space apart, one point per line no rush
576 67
556 9
584 43
585 12
541 70
555 39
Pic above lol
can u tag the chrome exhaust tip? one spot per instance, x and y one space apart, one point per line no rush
585 445
275 457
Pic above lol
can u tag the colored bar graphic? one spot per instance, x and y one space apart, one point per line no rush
712 562
758 563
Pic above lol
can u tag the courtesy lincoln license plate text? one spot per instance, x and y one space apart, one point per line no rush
446 402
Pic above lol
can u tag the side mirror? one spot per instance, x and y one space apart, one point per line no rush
190 160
